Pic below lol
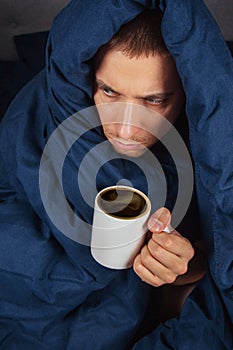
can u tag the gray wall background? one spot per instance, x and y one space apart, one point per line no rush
28 16
222 10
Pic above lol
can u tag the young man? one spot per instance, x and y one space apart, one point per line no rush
134 67
53 294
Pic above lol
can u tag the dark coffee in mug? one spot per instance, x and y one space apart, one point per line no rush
122 203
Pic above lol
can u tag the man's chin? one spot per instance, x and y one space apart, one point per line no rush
131 152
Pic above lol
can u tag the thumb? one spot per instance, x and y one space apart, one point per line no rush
159 220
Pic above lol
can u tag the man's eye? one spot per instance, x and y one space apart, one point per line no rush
155 101
109 92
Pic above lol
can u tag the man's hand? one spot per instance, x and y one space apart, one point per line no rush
166 255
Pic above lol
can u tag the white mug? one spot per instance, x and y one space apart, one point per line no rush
119 225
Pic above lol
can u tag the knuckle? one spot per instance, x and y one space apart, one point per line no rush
168 243
137 266
157 282
154 249
182 269
170 278
143 279
192 252
146 259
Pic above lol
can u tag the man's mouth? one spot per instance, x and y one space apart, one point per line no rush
125 144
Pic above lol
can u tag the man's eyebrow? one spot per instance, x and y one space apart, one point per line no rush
101 84
152 95
156 95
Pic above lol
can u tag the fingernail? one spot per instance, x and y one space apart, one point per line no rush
155 225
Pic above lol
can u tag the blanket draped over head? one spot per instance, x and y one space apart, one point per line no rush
53 294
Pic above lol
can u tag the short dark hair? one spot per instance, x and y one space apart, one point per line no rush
140 37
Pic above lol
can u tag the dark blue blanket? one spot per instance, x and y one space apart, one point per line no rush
53 294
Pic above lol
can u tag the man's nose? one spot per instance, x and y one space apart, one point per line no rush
128 126
127 131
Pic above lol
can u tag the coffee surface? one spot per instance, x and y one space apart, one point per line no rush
122 203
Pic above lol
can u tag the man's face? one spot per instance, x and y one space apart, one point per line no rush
150 82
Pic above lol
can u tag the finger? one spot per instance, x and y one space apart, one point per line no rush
145 274
175 243
159 220
163 273
169 260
